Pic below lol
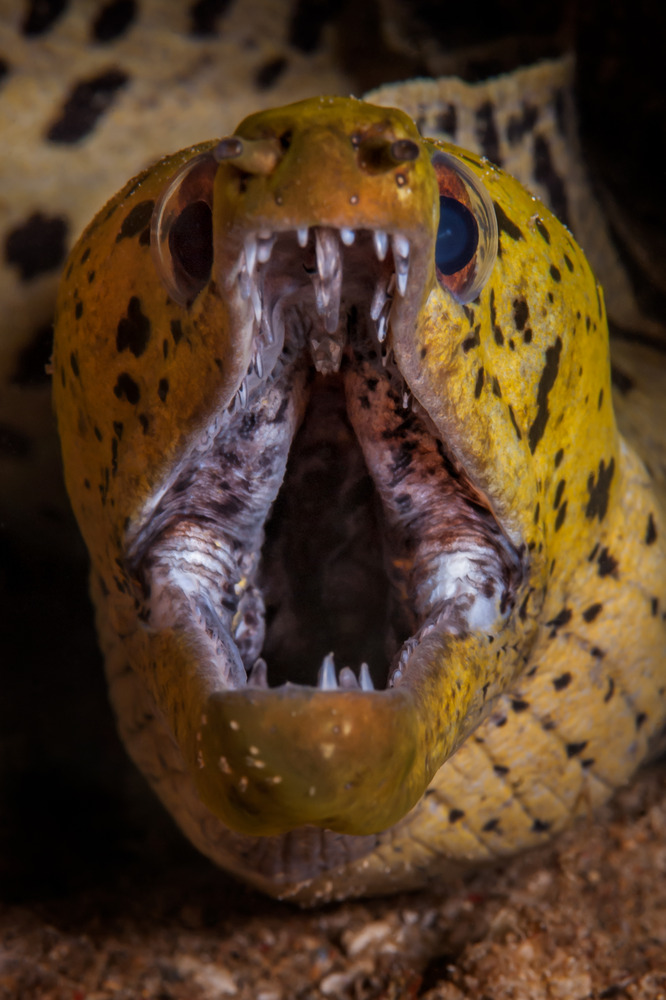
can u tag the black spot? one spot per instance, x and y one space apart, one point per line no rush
519 704
270 72
176 330
145 423
97 432
41 14
562 682
611 690
501 769
607 563
592 612
91 277
568 262
307 22
545 173
651 531
522 124
473 340
562 618
446 120
527 336
541 229
113 20
537 512
13 442
33 358
654 606
497 389
499 336
455 815
4 68
505 225
204 15
126 388
554 273
601 399
136 220
575 749
163 388
540 826
515 425
622 382
133 331
561 516
87 102
118 428
114 455
640 719
559 455
73 360
479 382
78 310
486 132
521 313
37 245
597 505
558 493
492 824
546 383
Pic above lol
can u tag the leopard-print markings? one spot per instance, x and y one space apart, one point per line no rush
518 384
90 93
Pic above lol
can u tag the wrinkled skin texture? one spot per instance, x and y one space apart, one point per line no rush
497 737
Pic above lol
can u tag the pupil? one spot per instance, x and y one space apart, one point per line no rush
191 240
457 236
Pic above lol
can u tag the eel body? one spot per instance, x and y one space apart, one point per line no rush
379 583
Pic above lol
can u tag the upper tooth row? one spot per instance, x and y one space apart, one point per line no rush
326 679
258 247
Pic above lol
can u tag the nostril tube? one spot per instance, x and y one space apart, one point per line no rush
404 150
254 156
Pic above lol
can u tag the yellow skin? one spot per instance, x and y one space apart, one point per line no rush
497 737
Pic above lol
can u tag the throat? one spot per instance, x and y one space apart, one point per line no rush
323 572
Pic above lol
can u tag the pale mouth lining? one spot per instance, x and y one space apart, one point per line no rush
318 529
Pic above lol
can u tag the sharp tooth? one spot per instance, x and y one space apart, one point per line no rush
326 679
382 328
380 240
250 253
402 282
258 362
348 679
400 245
365 678
396 678
242 394
328 280
258 675
302 236
347 236
378 300
256 302
405 400
264 248
244 283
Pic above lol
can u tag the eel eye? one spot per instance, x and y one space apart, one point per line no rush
181 229
466 244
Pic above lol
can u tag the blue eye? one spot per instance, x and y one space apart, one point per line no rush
466 243
457 236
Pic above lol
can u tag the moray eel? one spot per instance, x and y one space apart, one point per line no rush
379 584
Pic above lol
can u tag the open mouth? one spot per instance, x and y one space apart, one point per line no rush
319 528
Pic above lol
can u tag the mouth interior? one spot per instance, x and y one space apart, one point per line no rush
320 513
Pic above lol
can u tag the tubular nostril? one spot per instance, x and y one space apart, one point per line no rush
377 154
254 156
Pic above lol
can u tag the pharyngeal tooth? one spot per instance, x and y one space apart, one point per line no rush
365 678
326 679
264 248
302 236
250 254
380 240
347 236
348 679
328 280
